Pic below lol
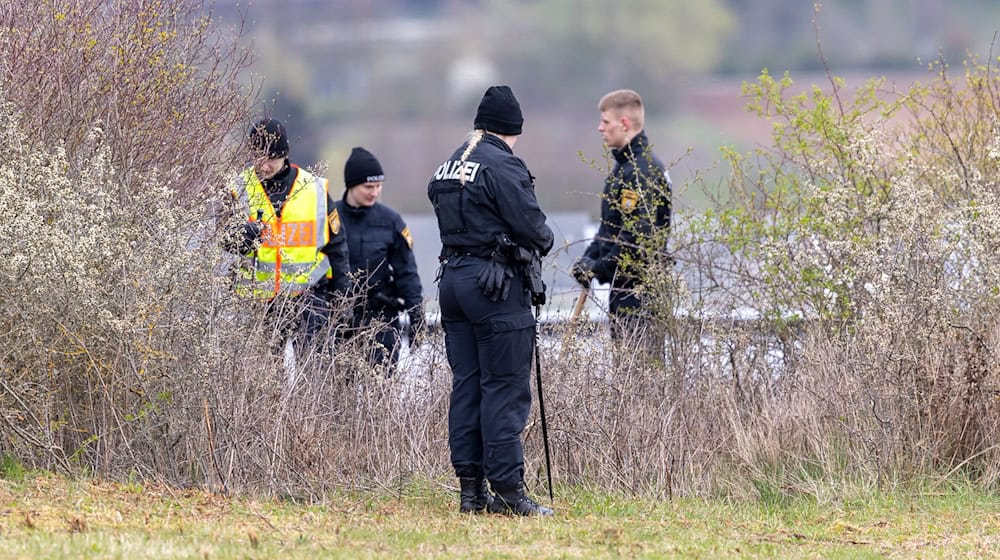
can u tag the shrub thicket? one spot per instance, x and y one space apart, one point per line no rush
864 238
114 124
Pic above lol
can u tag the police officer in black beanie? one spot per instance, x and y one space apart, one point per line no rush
489 218
383 267
294 253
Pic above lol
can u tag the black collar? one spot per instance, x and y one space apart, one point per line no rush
356 210
281 182
497 141
636 145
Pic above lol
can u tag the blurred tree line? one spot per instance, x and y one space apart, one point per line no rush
403 76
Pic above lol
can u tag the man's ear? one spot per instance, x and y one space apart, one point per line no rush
626 123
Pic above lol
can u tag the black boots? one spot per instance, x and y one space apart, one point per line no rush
516 502
476 498
475 495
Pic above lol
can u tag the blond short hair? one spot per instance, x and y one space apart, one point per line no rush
624 101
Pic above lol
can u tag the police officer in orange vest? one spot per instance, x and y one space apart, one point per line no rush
293 248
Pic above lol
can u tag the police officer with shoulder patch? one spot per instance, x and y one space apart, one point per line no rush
381 256
635 204
294 256
492 229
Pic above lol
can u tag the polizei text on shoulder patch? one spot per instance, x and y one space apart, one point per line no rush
453 170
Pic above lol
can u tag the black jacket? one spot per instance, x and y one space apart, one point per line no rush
635 202
498 197
381 259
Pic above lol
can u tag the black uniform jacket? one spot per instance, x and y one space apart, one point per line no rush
381 256
636 200
498 197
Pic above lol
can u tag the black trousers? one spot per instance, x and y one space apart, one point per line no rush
301 317
627 313
632 327
489 347
384 349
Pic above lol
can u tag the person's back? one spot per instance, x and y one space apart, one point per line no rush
490 224
494 199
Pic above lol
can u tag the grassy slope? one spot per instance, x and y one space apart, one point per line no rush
50 517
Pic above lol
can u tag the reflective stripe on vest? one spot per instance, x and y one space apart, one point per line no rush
289 259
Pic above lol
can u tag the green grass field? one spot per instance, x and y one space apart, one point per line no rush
45 516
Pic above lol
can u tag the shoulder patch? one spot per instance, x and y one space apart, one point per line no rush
406 235
333 220
629 200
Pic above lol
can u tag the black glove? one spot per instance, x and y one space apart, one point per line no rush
583 270
249 236
415 330
342 316
495 279
390 304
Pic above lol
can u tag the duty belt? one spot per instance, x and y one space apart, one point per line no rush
481 252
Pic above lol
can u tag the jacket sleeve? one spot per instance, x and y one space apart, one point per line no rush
337 252
603 249
606 263
404 266
598 246
514 192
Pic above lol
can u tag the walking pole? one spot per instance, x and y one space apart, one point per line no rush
541 403
574 316
253 282
581 300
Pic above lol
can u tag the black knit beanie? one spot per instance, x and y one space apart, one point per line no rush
499 112
268 136
362 167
